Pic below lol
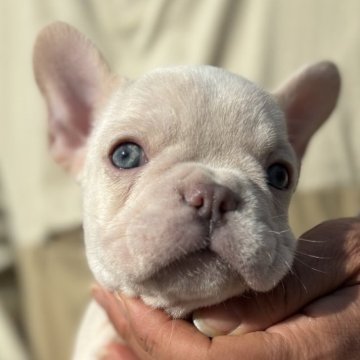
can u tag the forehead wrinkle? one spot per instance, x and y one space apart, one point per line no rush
140 113
167 106
165 111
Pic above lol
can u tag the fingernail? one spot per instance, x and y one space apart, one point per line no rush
104 298
119 299
216 320
121 303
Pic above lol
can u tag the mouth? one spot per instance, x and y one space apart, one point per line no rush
192 261
201 270
196 280
186 263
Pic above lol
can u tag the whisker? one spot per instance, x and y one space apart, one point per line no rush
309 267
311 241
300 281
313 256
279 216
279 232
171 333
291 271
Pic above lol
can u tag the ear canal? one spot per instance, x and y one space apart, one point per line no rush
72 77
307 99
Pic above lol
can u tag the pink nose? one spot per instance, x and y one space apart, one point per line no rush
212 201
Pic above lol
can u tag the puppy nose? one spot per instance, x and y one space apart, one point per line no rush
212 201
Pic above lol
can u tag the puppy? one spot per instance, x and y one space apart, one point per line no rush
186 173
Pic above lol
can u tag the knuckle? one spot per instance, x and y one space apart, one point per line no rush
152 344
148 345
279 348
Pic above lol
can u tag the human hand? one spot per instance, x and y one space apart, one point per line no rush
313 313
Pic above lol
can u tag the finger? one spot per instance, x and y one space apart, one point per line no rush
328 329
112 306
330 326
153 335
116 351
327 256
279 340
117 314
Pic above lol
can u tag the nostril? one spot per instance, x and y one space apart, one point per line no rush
211 201
195 198
200 197
223 207
230 202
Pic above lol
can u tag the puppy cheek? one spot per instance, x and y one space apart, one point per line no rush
155 237
282 262
259 254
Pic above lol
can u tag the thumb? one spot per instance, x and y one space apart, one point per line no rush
245 314
323 262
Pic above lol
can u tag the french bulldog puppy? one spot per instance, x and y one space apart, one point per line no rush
186 173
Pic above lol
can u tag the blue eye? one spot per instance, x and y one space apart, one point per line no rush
278 176
127 156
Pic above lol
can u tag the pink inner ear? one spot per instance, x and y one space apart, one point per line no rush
72 77
307 100
70 115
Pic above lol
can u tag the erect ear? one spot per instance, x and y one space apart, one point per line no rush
307 99
72 77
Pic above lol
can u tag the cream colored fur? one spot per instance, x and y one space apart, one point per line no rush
207 134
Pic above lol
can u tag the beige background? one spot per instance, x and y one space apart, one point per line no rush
264 40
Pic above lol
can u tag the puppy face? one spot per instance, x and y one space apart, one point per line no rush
187 172
197 221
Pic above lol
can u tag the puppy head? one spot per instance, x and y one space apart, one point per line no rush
187 172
